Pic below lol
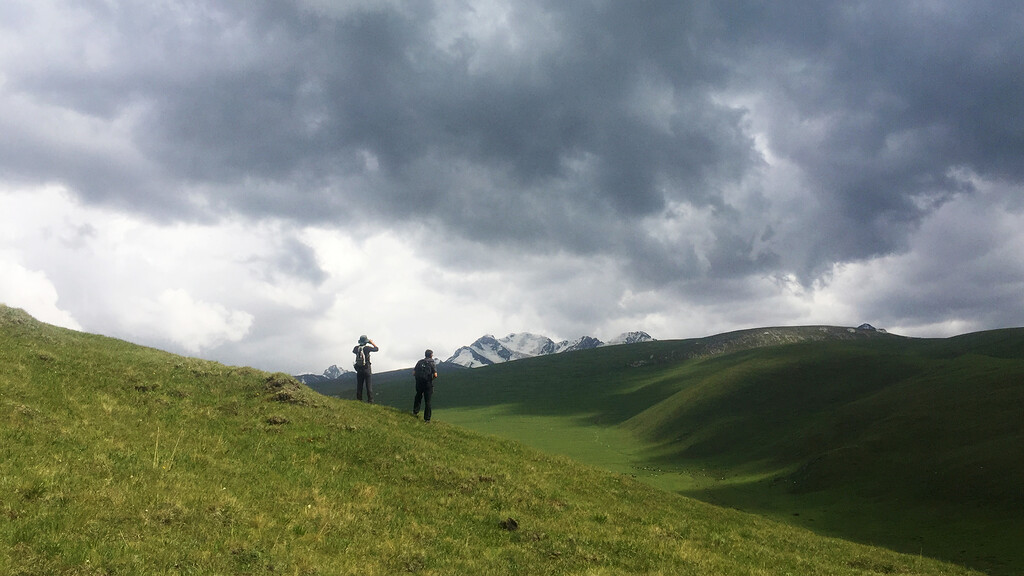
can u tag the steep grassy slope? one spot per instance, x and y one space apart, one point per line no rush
891 412
118 459
914 444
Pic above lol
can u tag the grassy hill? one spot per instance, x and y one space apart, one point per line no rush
914 444
120 459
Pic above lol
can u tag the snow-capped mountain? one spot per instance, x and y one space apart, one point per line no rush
529 344
490 350
581 343
629 338
332 373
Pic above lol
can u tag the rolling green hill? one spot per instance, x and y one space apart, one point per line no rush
914 444
119 459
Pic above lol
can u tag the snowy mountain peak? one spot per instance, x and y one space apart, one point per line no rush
332 373
582 343
630 338
490 350
529 344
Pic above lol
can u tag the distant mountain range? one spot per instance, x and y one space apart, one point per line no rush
489 350
329 375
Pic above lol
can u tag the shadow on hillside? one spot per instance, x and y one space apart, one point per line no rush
923 432
924 530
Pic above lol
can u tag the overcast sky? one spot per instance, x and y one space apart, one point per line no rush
260 182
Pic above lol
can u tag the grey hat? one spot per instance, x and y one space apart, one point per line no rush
363 339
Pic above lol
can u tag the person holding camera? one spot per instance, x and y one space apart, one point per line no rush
364 372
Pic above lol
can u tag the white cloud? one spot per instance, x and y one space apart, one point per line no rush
961 272
193 325
234 291
389 287
188 288
33 292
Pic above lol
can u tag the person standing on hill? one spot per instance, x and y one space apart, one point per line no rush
425 372
364 372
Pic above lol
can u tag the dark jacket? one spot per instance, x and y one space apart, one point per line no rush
433 370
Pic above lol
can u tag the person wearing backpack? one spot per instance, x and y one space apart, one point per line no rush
362 365
425 372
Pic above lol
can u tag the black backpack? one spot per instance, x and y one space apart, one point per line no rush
424 370
360 359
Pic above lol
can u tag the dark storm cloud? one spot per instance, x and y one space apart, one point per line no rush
570 127
884 106
290 260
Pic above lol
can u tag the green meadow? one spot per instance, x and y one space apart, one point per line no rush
120 459
916 445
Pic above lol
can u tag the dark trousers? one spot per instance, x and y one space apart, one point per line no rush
424 390
363 378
